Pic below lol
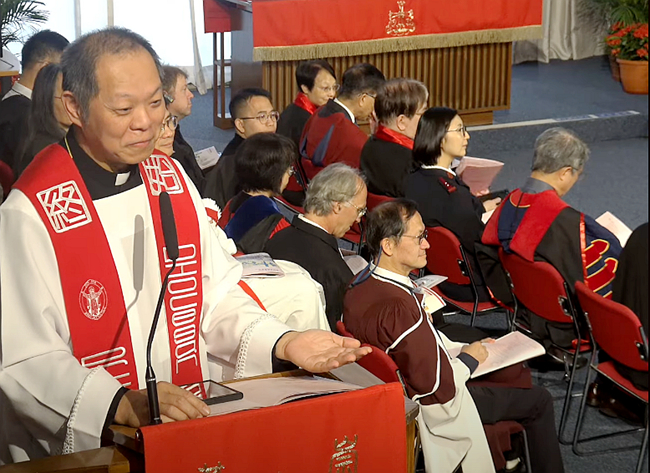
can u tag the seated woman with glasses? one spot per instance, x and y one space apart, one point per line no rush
263 166
442 197
48 122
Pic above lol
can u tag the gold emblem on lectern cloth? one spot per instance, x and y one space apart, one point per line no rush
400 23
211 469
344 459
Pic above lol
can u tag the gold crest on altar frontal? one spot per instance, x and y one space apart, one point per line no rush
400 23
345 458
211 469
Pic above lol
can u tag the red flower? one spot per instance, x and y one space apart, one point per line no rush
617 26
614 41
642 52
616 52
641 32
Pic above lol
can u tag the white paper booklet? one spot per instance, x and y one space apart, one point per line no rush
430 280
259 265
478 173
207 157
508 350
264 392
614 225
486 215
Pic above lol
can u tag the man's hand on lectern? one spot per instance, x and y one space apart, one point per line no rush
319 351
175 404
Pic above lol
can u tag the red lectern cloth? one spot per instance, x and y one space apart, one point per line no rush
405 24
216 17
362 430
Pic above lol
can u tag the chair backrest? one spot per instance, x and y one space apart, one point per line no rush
538 286
445 257
615 328
375 199
340 328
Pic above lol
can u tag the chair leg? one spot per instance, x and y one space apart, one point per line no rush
475 308
581 413
526 451
567 399
644 443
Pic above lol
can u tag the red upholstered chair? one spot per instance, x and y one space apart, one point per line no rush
446 257
6 178
540 288
375 199
618 331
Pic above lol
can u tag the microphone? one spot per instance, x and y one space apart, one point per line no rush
171 243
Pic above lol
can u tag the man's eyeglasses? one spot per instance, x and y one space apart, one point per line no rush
333 88
264 118
462 130
360 211
374 96
421 237
170 122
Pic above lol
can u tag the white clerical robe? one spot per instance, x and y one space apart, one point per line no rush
51 401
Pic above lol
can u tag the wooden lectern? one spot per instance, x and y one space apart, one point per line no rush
461 50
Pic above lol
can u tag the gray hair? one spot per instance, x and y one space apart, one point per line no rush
79 60
558 148
336 183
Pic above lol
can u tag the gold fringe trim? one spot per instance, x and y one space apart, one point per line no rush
389 45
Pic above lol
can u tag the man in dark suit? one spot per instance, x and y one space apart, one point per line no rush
336 198
179 103
43 48
331 135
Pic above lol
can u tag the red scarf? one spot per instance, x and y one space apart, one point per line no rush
303 102
392 136
94 301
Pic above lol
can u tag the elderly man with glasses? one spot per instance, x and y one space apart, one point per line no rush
336 198
252 112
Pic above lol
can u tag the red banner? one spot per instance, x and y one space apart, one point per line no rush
303 22
360 431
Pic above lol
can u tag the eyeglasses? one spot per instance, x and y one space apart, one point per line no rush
264 118
170 122
421 237
360 211
374 96
333 88
462 130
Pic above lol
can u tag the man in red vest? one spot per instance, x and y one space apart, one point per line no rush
82 256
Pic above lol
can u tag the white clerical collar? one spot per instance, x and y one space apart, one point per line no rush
385 273
121 178
428 166
306 220
19 89
354 120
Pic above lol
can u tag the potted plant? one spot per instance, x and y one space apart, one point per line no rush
15 15
629 45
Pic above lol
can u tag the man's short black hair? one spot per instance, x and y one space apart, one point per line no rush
308 70
262 160
41 46
388 220
239 101
361 79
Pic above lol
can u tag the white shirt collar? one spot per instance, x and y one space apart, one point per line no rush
428 166
306 220
385 273
354 120
19 89
121 178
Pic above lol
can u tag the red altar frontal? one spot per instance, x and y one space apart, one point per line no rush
461 50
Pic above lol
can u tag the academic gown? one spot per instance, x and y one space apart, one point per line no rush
221 181
385 314
444 200
292 122
317 251
386 166
184 154
14 113
330 136
39 375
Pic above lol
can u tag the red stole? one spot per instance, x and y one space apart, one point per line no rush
386 134
303 102
94 301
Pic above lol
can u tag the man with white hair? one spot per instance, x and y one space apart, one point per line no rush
335 199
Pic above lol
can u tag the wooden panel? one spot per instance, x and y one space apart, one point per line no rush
474 79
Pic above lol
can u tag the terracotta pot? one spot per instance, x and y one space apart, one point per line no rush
634 76
614 67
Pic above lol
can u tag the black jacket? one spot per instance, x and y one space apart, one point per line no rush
317 251
292 122
386 165
184 154
221 181
14 112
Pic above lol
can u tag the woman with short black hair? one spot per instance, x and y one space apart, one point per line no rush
443 198
263 166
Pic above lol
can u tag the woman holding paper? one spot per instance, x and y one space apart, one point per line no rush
443 198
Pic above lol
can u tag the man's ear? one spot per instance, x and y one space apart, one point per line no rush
566 173
400 122
336 207
304 89
72 106
388 246
239 126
